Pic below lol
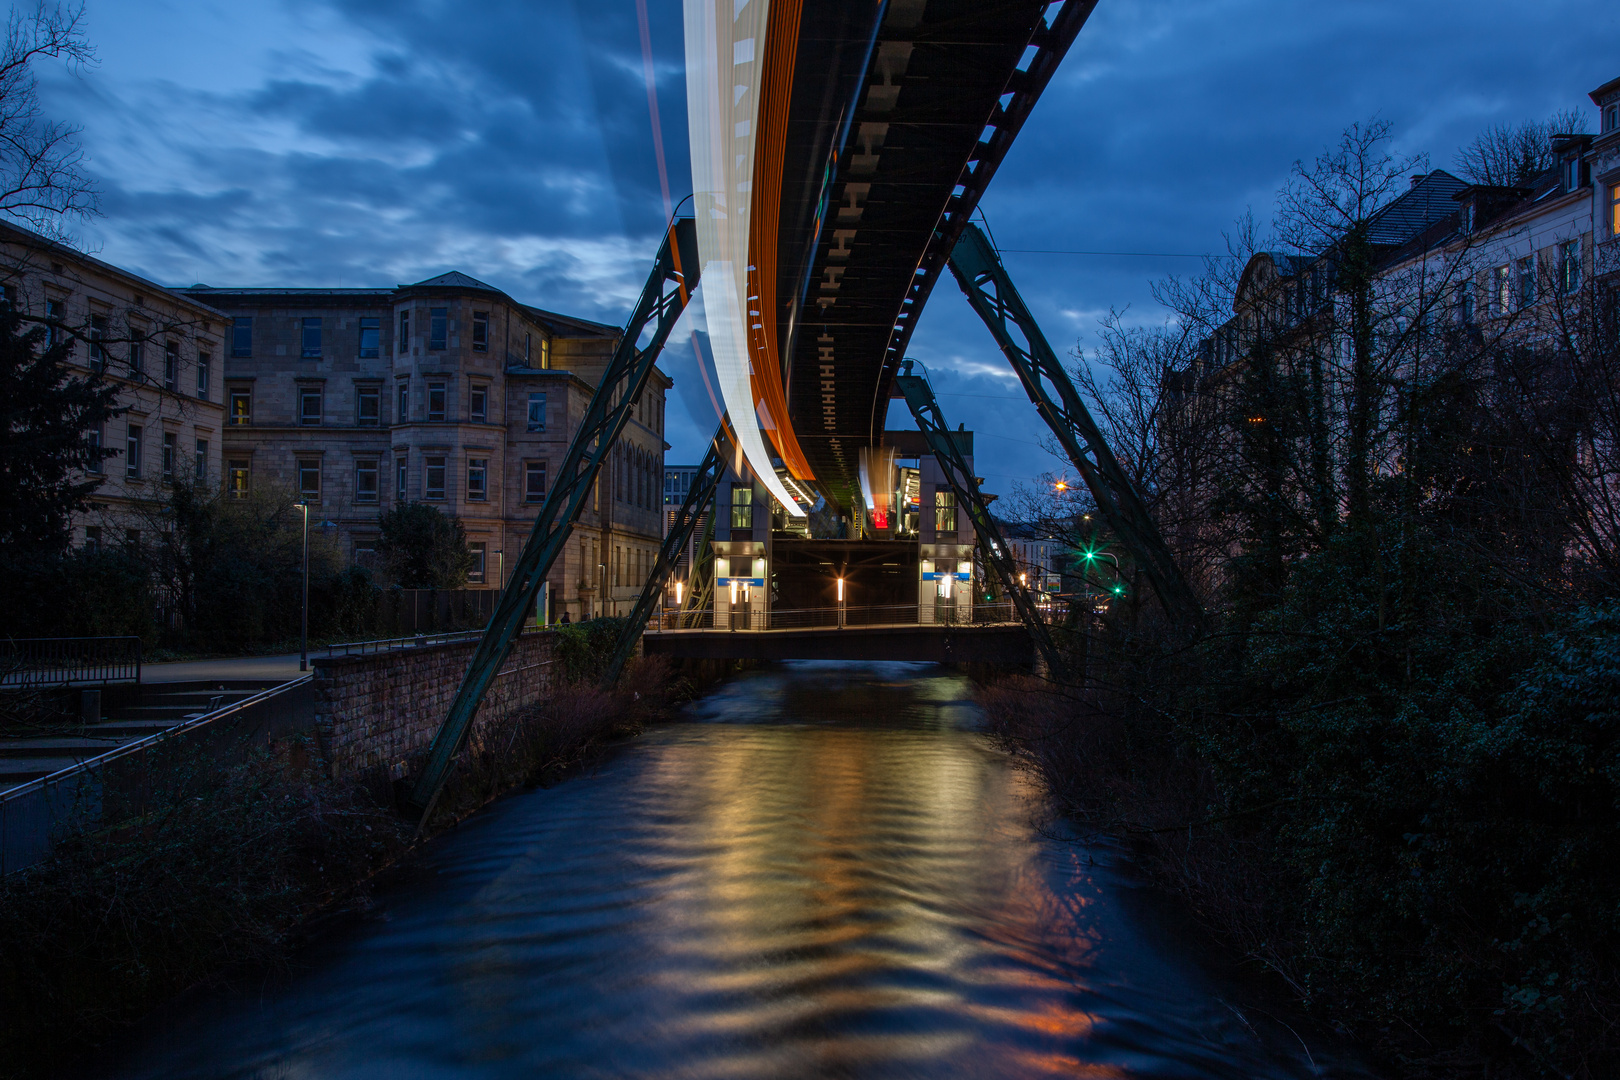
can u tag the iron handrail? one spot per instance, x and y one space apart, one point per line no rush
61 661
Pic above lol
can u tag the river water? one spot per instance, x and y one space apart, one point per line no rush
822 870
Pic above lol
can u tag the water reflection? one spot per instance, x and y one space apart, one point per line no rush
824 873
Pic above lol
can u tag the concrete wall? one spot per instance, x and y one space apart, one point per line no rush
382 709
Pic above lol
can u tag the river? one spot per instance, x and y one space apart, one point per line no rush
820 870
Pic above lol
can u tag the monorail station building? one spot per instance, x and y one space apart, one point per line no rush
905 556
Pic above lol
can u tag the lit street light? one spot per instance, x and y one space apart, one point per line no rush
303 630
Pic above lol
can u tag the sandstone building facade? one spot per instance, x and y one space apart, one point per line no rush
447 392
161 349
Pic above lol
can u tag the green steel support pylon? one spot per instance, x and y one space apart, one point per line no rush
990 290
668 290
931 422
698 496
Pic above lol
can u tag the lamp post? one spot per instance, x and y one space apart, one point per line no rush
303 629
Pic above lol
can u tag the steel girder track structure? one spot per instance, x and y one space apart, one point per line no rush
668 290
901 114
990 290
925 409
698 496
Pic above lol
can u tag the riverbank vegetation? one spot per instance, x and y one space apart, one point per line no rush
228 867
1388 769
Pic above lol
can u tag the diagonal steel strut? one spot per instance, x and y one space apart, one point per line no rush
669 288
990 290
925 409
698 497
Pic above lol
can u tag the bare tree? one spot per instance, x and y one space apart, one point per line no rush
42 178
1509 156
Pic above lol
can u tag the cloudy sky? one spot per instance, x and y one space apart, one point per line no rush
372 142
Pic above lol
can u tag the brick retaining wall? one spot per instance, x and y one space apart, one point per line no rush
381 710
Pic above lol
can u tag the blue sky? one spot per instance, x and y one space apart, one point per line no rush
371 142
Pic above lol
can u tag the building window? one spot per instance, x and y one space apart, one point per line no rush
309 406
242 407
137 355
534 481
1611 117
309 479
370 338
1614 209
201 462
92 538
171 366
478 403
1527 280
1465 303
537 411
742 507
311 341
945 512
205 364
94 439
242 336
365 480
528 346
1501 282
438 327
365 553
55 311
1569 265
236 478
404 332
545 352
478 549
367 405
436 410
434 478
480 331
402 474
98 330
132 452
403 411
171 447
477 479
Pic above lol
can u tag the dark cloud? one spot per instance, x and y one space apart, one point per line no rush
379 141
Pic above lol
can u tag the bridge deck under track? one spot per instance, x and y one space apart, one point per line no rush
1002 645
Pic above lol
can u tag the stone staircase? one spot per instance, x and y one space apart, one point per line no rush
27 754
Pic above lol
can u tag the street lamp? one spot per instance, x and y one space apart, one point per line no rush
303 629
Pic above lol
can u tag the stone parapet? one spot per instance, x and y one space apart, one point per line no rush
378 711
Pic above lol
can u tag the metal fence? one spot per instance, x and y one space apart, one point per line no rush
382 645
120 785
830 618
35 662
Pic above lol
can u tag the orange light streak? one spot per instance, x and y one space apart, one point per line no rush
776 88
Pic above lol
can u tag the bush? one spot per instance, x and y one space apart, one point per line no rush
584 648
219 872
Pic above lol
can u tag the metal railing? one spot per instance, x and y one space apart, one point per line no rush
121 784
833 618
35 662
382 645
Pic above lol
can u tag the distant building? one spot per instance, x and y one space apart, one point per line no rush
447 392
162 351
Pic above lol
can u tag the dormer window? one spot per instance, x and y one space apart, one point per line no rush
1572 173
1611 118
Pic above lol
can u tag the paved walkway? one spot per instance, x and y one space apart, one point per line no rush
267 668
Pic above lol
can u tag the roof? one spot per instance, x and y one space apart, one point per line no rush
15 232
455 279
556 321
1610 87
1427 201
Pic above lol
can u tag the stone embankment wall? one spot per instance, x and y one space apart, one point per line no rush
380 710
